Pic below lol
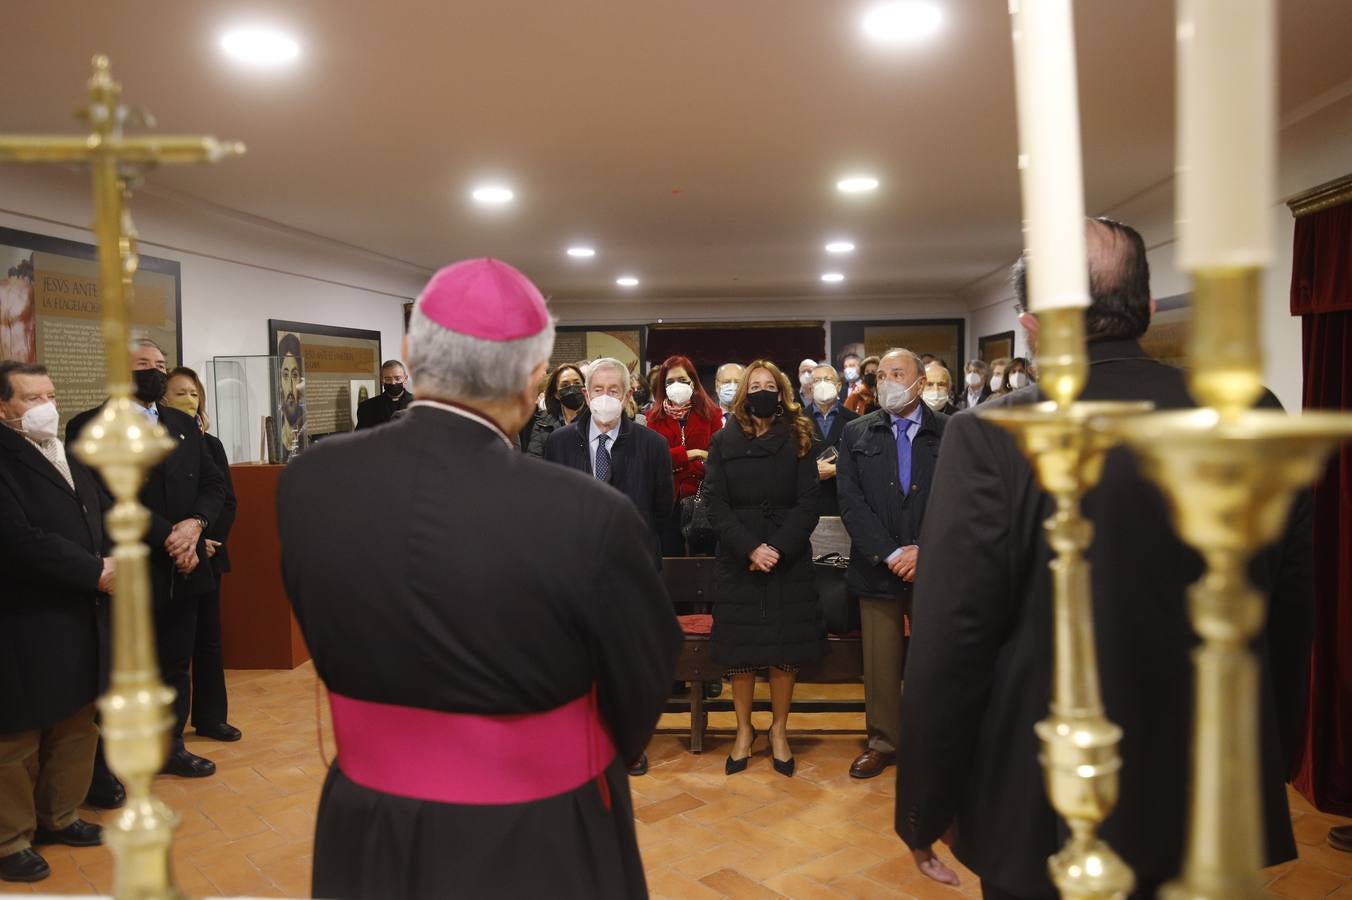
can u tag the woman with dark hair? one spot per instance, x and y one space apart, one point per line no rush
762 493
210 706
564 399
863 398
1018 374
684 414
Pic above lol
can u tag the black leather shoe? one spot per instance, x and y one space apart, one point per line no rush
712 689
785 767
188 765
26 865
77 834
733 766
1340 838
640 767
105 792
222 732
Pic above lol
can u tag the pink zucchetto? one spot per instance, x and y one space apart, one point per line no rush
485 299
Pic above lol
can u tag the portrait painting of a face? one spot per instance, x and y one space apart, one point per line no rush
291 395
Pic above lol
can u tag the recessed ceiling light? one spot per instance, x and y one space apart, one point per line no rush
581 252
260 46
627 281
906 22
832 277
492 194
840 247
857 184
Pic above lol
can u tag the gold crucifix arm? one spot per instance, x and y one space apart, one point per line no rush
137 150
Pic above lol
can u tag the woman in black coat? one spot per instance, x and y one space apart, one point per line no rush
761 485
210 705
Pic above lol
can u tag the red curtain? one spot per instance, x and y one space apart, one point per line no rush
1321 293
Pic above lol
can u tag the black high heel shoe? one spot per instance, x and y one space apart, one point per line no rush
785 767
733 766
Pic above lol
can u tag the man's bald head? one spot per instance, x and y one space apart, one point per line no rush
1119 281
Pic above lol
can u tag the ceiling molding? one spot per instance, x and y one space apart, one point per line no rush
1325 196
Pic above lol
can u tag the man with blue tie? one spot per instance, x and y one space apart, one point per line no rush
605 443
887 459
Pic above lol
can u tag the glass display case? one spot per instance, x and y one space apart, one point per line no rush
258 408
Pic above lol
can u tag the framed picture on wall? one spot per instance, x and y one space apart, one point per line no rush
51 312
577 342
995 346
320 364
942 338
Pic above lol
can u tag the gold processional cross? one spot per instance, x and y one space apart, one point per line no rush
137 711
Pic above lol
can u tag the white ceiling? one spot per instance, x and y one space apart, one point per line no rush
695 143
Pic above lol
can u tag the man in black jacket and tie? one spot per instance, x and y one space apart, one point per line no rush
978 675
976 388
604 443
394 397
52 550
185 493
887 459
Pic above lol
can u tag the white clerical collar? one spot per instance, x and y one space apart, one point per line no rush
466 413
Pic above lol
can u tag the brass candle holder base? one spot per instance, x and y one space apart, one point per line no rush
1079 745
1230 480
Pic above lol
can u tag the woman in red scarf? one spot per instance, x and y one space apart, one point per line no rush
685 415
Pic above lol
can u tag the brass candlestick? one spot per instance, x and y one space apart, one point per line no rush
1080 746
1230 474
123 446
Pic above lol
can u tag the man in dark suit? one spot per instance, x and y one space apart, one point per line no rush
887 459
829 417
55 573
607 445
979 670
394 397
185 493
976 385
489 681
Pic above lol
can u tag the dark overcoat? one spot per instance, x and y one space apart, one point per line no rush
474 609
827 502
52 546
640 468
760 491
380 409
186 483
878 516
219 528
978 672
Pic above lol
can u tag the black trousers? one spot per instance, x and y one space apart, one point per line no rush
209 703
175 636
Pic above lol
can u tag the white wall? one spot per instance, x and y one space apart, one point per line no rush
237 272
1315 147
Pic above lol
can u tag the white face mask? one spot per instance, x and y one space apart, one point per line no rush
974 380
679 392
997 382
605 409
824 392
935 398
1017 380
851 373
894 397
40 422
805 378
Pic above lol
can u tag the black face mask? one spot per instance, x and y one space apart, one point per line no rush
641 398
150 384
871 381
393 391
763 404
571 397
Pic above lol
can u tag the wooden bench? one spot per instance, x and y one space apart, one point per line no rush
693 585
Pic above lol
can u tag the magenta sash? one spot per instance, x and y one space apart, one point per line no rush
471 759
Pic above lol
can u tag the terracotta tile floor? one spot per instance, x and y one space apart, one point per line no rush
247 830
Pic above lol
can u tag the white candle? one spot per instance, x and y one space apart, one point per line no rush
1049 159
1227 132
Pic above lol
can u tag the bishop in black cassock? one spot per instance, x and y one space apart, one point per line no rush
492 677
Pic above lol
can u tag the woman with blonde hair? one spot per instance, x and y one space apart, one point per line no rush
761 486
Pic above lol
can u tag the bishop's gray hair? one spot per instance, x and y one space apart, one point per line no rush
451 366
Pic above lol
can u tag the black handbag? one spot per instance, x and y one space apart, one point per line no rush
696 526
840 608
